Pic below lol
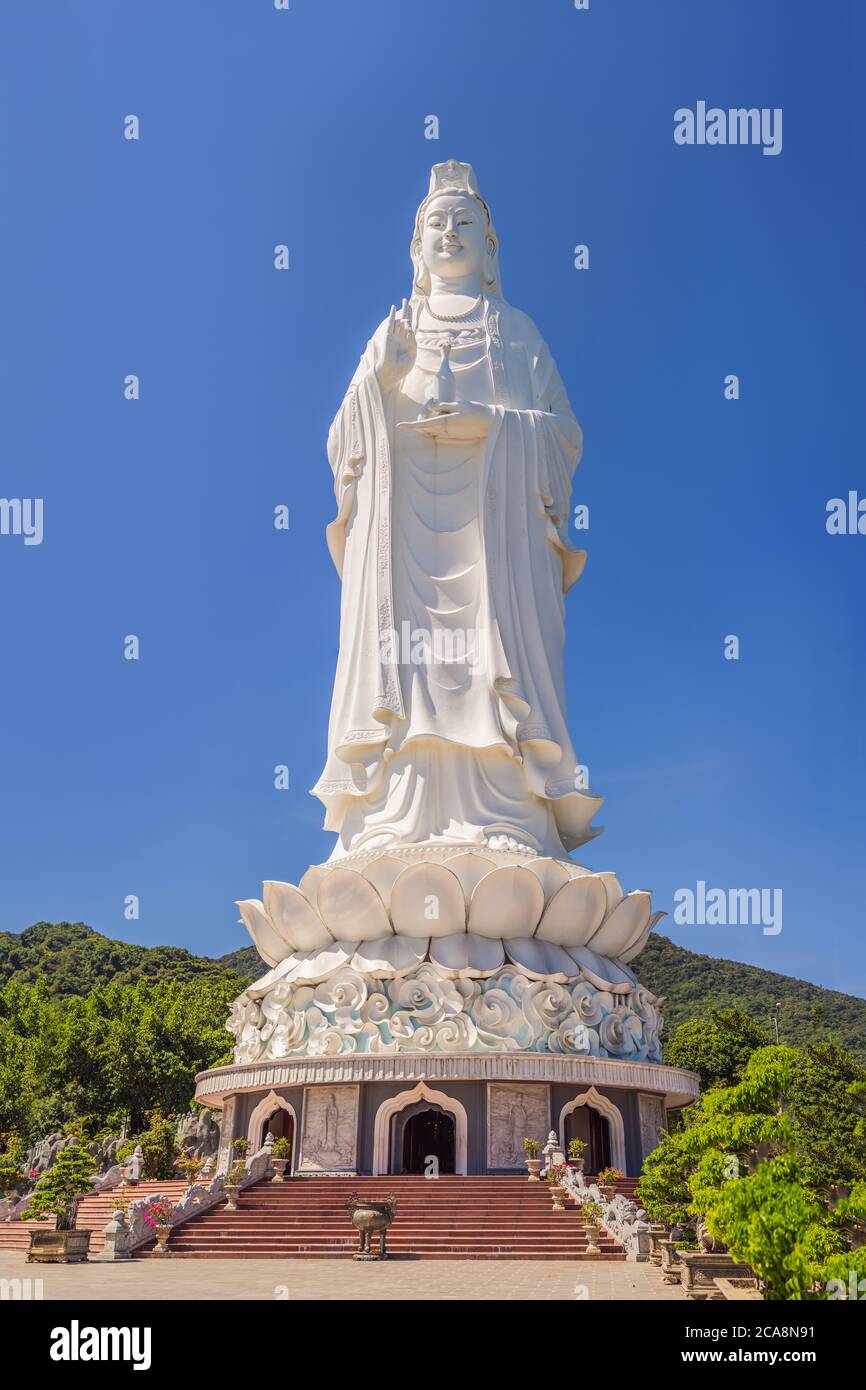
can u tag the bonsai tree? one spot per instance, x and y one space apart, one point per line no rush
240 1147
591 1212
663 1189
532 1147
58 1191
576 1150
282 1148
608 1176
236 1173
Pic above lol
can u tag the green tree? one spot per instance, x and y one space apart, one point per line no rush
69 1177
765 1218
717 1046
664 1189
826 1115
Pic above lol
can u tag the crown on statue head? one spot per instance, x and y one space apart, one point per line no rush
453 176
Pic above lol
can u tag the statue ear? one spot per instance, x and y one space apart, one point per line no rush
490 275
420 277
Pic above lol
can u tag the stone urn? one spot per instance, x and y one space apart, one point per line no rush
371 1218
279 1166
592 1234
162 1235
607 1190
558 1193
58 1247
232 1191
533 1166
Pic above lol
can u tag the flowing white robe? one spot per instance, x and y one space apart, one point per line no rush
462 539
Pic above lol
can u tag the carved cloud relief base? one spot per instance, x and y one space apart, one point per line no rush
426 1011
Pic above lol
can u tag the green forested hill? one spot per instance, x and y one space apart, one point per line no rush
692 983
72 959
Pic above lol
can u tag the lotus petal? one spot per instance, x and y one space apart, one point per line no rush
507 902
541 959
603 973
630 952
309 884
350 907
551 874
634 950
470 869
575 912
613 889
391 956
269 944
293 918
622 927
282 973
467 955
318 965
427 900
382 873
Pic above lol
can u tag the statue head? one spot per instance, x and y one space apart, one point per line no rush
454 234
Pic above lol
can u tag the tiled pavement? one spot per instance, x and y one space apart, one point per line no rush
344 1279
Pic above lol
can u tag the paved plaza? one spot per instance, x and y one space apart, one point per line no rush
398 1279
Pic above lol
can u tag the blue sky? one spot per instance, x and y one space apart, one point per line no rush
707 516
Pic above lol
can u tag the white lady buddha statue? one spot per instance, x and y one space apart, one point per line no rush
453 453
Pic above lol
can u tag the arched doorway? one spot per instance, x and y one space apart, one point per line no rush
280 1125
273 1115
587 1124
388 1129
429 1133
607 1143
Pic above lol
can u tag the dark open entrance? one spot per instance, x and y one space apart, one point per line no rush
587 1124
280 1124
429 1133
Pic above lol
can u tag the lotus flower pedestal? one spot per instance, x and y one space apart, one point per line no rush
448 964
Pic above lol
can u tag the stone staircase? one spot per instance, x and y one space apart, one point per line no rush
94 1214
480 1218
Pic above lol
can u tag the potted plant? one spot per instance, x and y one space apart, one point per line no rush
240 1147
591 1215
533 1162
190 1165
58 1193
607 1179
576 1153
158 1215
554 1178
280 1155
234 1178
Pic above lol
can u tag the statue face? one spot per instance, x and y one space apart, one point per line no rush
453 236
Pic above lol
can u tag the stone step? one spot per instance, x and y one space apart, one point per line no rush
456 1254
450 1217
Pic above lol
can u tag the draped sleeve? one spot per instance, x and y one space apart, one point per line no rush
562 446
